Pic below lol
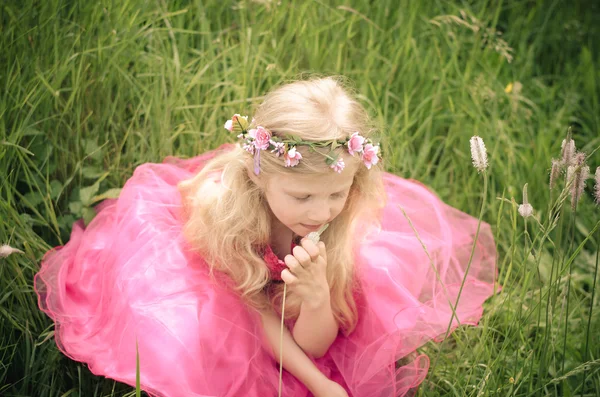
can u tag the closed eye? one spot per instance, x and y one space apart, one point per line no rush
334 195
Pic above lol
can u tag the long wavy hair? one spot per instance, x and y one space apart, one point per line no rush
229 220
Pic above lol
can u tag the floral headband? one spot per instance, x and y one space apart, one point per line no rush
259 138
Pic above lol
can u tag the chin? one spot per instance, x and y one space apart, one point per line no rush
300 231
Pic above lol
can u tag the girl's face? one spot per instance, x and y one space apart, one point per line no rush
303 203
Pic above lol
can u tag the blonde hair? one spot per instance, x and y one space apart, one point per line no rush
229 224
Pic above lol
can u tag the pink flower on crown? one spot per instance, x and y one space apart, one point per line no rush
248 147
292 157
279 148
355 144
339 165
262 137
369 155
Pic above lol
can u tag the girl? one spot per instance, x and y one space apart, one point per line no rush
187 268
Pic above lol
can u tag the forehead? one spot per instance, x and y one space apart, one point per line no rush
326 183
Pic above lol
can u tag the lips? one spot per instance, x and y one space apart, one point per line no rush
309 227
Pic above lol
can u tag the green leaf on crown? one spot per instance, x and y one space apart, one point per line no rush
242 122
295 138
329 159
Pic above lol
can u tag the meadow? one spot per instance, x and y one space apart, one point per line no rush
90 90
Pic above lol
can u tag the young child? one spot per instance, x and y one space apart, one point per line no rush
187 267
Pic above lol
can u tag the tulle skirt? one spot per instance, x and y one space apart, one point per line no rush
129 284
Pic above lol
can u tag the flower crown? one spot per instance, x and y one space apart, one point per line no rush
259 138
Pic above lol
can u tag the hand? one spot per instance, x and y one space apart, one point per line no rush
307 272
330 389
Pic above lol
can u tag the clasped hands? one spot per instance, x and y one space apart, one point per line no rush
306 274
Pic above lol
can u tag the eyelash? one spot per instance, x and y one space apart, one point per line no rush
336 195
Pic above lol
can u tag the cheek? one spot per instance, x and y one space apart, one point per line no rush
337 208
282 208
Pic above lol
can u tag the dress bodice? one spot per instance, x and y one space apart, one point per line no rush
275 265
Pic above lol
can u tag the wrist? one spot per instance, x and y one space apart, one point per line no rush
317 302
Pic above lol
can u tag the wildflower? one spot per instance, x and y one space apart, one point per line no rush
525 209
597 193
554 172
478 153
355 144
249 148
7 250
568 150
262 137
315 237
279 148
577 175
292 157
578 159
369 155
339 165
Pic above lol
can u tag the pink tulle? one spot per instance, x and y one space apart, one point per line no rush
129 277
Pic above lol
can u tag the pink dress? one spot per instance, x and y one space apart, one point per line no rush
129 277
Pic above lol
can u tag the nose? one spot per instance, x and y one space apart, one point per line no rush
320 213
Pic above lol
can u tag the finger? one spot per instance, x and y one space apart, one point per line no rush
288 277
322 250
302 256
311 248
292 263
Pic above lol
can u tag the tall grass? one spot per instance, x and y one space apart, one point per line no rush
90 90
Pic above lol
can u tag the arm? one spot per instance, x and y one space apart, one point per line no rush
295 361
316 328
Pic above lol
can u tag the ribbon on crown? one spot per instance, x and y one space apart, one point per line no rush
257 139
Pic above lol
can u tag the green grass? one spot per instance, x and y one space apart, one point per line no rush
90 90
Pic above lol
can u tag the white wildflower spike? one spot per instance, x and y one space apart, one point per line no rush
525 209
597 192
568 152
554 172
577 175
583 177
570 174
7 250
315 237
478 154
579 159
